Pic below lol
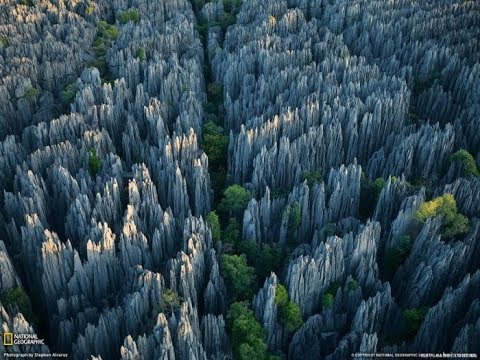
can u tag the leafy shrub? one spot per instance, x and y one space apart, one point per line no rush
329 229
4 41
106 34
231 235
141 54
218 179
294 215
281 295
18 297
67 95
107 31
332 289
26 2
169 303
327 301
369 192
215 93
198 4
94 162
289 313
231 6
421 85
312 177
467 161
265 258
352 285
239 277
214 223
32 93
90 9
268 258
291 317
235 200
215 144
226 20
413 318
454 223
248 336
329 296
129 15
396 256
209 107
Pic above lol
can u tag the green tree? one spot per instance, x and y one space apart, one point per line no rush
327 300
294 214
18 297
169 303
239 277
198 4
232 232
467 162
231 6
291 317
396 256
329 296
413 318
332 289
268 258
226 20
209 107
281 295
32 93
90 9
369 193
312 177
4 41
454 223
289 313
215 93
352 285
129 15
141 54
248 336
94 162
235 200
67 95
107 31
215 144
250 249
214 223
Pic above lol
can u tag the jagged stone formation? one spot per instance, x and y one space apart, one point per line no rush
344 120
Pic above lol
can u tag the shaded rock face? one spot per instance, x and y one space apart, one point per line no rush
104 183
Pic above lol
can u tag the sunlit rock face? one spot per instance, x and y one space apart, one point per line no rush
343 118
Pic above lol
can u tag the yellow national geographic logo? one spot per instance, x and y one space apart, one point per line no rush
7 339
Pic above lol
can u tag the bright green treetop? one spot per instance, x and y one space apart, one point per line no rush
454 223
239 277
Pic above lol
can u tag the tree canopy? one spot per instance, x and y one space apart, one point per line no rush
239 277
414 318
129 15
467 162
215 144
454 223
214 223
235 200
94 161
18 297
395 256
248 336
289 313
